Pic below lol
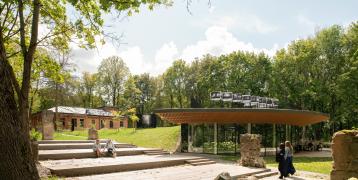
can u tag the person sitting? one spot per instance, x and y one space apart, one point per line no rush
97 148
111 149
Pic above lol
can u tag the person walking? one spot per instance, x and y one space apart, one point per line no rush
280 158
289 158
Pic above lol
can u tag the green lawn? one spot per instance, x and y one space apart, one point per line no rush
161 137
313 164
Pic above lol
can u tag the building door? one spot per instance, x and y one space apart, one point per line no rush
102 124
73 124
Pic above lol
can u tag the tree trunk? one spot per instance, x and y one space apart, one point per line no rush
15 150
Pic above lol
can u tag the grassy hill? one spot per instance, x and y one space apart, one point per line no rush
161 137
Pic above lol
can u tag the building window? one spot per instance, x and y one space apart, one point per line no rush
121 124
74 122
102 124
81 122
63 122
110 124
93 122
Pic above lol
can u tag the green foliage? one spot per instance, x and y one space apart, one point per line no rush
312 164
35 135
112 74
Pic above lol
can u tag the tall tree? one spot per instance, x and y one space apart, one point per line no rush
112 73
89 82
19 25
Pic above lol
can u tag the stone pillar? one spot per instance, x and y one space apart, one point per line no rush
216 138
250 145
92 134
345 155
47 125
274 143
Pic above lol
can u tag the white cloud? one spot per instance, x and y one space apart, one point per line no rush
133 57
211 9
164 57
89 60
302 19
219 41
246 23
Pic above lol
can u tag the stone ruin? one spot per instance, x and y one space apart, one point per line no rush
92 134
250 145
345 155
47 125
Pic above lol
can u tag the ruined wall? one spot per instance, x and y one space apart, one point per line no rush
92 134
250 145
47 125
345 155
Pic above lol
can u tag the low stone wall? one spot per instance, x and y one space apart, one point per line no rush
250 145
345 155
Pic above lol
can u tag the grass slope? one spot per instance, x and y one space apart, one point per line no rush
161 137
313 164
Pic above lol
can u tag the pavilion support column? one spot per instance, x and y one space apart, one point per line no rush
287 133
274 143
190 137
303 139
216 138
249 128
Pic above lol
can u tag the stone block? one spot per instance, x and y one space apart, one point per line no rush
250 145
92 134
344 153
47 125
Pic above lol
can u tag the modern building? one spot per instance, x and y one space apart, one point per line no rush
217 130
76 118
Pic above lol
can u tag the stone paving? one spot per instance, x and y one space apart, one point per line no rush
176 173
104 161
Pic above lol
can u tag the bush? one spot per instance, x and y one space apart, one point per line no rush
35 135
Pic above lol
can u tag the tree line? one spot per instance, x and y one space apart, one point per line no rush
318 73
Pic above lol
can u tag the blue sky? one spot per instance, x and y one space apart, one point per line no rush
154 39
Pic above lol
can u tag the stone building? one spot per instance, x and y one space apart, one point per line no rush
77 118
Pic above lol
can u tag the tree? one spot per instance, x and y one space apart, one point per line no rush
112 73
19 28
175 82
89 82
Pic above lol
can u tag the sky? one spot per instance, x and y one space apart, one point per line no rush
152 40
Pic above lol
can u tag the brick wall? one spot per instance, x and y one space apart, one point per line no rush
87 121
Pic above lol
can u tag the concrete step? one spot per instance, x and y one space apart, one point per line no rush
245 175
202 163
265 174
156 152
197 160
79 146
84 153
159 153
68 141
75 167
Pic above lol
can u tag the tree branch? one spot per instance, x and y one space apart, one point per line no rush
22 28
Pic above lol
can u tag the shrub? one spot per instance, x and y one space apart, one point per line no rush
35 135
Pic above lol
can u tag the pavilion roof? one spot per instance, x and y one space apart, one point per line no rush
242 116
